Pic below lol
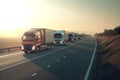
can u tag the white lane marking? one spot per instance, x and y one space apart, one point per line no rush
58 60
64 57
48 66
91 62
34 74
32 59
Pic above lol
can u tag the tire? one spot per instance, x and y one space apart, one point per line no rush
39 48
26 52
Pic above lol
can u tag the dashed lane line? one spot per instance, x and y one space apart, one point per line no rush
32 59
34 74
48 66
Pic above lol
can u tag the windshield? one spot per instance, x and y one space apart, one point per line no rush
28 38
70 35
58 35
76 35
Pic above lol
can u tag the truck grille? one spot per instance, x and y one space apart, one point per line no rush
27 47
57 41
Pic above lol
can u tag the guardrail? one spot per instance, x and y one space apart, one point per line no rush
2 50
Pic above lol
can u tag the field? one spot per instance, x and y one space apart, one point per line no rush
9 42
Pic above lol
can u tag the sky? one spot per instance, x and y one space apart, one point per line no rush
88 16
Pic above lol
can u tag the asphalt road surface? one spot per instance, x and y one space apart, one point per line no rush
68 62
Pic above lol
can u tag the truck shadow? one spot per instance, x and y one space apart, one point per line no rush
56 64
43 67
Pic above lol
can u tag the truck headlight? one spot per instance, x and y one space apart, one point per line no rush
22 47
33 48
54 42
61 42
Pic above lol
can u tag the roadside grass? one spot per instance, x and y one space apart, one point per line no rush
109 49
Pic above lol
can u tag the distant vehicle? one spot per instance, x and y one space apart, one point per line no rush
60 37
70 37
35 38
79 36
76 36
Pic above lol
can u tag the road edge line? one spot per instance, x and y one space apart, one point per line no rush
91 62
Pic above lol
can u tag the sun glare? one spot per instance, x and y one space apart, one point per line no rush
12 17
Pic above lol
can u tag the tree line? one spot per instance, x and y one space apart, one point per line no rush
110 32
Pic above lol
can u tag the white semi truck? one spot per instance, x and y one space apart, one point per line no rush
60 37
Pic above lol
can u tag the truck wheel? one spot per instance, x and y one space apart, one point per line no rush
39 48
64 42
26 52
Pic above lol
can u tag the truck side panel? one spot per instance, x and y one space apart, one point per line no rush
42 35
66 35
49 36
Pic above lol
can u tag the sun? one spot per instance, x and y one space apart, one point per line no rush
10 32
14 15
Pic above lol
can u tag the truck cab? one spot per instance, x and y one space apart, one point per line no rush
71 37
76 36
31 41
60 37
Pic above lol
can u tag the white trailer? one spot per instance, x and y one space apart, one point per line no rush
47 35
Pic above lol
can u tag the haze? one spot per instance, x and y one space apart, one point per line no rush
88 16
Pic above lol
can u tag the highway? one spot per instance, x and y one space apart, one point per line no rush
68 62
